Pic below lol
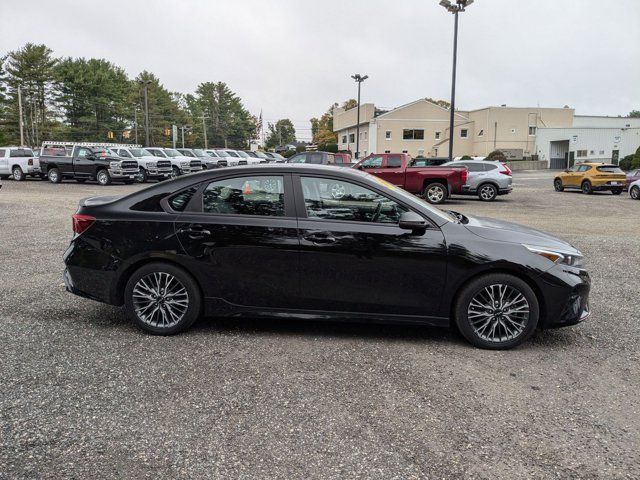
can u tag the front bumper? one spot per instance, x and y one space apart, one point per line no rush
128 174
155 173
565 296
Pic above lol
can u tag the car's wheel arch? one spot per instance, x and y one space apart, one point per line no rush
124 275
489 182
429 181
505 270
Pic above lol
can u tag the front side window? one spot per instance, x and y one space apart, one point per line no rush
124 153
412 134
83 153
372 162
329 199
254 195
300 158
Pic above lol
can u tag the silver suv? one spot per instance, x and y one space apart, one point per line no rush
485 178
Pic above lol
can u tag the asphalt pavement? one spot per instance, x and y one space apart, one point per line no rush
85 394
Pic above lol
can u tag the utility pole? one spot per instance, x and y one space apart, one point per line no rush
146 109
204 130
20 113
359 79
182 135
459 6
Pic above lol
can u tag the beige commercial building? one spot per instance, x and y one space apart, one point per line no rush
421 128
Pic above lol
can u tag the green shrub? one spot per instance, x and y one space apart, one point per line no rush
625 163
635 163
466 157
288 153
496 155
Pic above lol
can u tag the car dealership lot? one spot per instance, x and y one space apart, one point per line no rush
85 394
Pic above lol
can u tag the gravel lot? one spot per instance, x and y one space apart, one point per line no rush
84 394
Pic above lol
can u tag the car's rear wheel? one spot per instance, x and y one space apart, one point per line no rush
103 177
557 185
496 311
435 193
17 174
586 187
54 175
635 193
162 299
616 191
487 192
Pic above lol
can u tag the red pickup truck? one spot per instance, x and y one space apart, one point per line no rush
434 183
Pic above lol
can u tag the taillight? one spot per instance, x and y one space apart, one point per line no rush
82 222
30 162
506 171
464 176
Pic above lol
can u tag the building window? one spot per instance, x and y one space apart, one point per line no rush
387 151
464 133
365 135
581 153
481 133
344 139
387 135
352 137
532 131
601 152
405 151
437 135
513 130
435 152
412 134
592 152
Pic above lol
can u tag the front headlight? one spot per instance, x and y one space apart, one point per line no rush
572 258
152 164
114 164
184 163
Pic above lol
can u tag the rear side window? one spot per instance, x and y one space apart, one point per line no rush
394 161
490 166
475 167
18 152
180 201
254 195
2 152
609 169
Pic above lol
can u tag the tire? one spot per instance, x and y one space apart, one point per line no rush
17 174
487 192
557 185
586 187
103 177
175 172
140 300
486 327
142 177
54 175
635 193
616 192
435 193
81 180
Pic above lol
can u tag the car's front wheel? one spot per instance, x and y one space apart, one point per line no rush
435 193
557 185
635 193
162 299
496 311
103 177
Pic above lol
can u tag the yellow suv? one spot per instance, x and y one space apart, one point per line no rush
590 177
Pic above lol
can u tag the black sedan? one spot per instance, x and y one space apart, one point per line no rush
318 242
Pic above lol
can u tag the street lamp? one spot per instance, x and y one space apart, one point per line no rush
359 79
146 84
455 8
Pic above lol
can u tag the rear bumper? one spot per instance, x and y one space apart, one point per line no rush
87 281
608 186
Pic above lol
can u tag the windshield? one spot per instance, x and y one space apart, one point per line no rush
211 153
170 152
243 154
232 154
199 152
140 152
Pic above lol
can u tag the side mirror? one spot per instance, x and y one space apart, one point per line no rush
412 221
566 171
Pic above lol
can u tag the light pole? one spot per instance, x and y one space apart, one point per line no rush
146 84
359 79
455 8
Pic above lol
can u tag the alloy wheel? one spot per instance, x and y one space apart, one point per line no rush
635 193
103 177
53 176
498 313
435 194
160 300
17 174
487 192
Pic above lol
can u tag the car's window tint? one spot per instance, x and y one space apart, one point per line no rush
249 195
474 167
331 199
179 201
300 158
394 161
372 162
490 166
610 169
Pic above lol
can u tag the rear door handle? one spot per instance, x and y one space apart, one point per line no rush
195 232
320 238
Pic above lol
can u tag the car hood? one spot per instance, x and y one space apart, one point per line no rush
494 229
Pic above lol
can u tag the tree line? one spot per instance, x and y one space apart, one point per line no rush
92 99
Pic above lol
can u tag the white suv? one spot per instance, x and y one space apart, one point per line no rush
151 167
18 163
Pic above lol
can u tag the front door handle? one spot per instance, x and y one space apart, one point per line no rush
320 238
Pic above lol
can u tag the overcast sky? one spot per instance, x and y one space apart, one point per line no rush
294 58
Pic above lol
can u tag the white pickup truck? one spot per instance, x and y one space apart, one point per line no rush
181 165
151 167
18 163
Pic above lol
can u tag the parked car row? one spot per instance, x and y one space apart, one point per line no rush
106 163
